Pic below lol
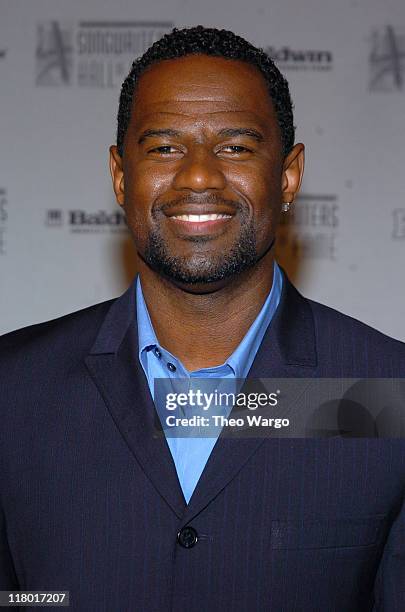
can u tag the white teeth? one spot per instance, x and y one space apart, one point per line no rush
199 218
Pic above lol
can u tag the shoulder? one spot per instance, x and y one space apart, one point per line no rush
68 335
345 337
333 322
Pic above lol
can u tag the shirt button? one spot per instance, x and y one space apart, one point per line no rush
157 353
171 367
187 537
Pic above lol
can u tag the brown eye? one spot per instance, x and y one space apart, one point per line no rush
234 150
165 153
163 150
237 148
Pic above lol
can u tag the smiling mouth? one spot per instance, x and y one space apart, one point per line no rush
201 218
203 224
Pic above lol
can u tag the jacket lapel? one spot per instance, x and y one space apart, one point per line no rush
287 350
114 366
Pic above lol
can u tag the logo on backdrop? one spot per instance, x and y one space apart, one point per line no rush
309 230
387 59
398 227
288 58
80 221
54 54
3 220
54 217
92 53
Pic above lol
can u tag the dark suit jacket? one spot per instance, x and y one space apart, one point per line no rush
90 500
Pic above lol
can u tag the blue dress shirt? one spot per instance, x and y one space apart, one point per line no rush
190 454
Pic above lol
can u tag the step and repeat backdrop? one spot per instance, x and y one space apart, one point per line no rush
63 241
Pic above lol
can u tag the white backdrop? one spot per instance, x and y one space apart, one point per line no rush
63 242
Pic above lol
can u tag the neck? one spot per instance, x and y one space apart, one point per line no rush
203 329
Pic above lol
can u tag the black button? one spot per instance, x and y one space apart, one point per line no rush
157 353
171 367
187 537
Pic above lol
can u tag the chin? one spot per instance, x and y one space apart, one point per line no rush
200 288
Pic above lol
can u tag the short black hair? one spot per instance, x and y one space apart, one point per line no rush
219 43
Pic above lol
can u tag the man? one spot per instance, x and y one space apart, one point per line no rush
92 500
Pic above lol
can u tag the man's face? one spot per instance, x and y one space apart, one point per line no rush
203 177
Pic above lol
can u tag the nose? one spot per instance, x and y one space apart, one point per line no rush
199 171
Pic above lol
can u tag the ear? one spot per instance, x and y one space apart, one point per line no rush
117 174
293 170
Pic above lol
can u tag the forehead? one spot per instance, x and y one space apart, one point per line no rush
200 86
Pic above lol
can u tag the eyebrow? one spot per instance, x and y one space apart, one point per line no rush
154 132
229 132
242 132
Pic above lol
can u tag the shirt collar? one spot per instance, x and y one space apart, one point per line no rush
242 357
244 354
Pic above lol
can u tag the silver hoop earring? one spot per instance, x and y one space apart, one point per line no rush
285 207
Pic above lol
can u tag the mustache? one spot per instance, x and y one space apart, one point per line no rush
194 198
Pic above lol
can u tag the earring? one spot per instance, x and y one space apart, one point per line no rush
285 207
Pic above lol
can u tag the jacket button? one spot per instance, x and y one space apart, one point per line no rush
187 537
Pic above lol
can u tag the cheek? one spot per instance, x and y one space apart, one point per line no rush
143 185
261 187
